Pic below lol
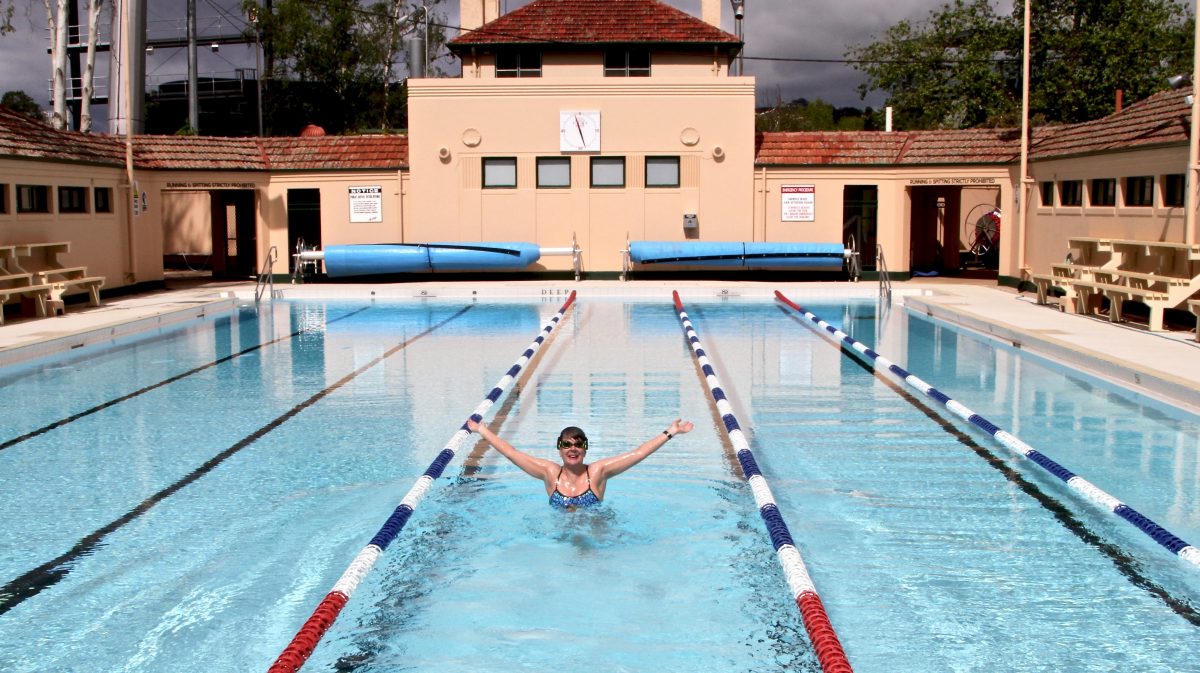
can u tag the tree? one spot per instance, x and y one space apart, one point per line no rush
6 15
57 17
22 103
331 63
962 67
803 115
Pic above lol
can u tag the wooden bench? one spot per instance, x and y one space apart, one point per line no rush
18 285
41 261
1088 293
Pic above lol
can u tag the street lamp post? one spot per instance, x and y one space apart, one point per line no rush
739 12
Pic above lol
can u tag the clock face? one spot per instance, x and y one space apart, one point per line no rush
579 131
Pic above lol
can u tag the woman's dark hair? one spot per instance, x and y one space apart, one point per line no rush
572 432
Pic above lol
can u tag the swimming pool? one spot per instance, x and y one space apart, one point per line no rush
196 524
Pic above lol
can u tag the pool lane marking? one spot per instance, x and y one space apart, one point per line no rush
824 639
1077 483
326 612
128 396
1125 563
31 583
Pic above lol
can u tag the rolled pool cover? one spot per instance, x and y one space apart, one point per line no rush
385 258
814 256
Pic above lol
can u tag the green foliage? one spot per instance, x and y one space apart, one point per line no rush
331 63
962 67
21 103
802 115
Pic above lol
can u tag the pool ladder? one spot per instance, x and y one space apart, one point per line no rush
266 277
885 280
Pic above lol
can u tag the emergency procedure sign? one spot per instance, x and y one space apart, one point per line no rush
798 203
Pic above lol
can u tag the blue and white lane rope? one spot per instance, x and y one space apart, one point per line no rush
305 641
816 622
1077 483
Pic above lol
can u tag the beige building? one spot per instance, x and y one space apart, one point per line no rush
602 122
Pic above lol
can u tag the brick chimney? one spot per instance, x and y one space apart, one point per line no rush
474 13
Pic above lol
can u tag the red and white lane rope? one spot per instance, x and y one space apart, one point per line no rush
812 611
1093 493
305 641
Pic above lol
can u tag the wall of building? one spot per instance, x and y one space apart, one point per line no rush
706 122
99 240
1051 225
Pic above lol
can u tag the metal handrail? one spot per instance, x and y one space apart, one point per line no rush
885 280
266 277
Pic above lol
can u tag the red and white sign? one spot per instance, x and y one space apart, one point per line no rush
798 203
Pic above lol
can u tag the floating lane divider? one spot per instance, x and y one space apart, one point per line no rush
1077 483
816 622
305 641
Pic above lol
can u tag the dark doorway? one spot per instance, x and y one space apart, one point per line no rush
934 230
304 222
234 239
860 210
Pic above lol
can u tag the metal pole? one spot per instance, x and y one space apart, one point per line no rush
1023 182
258 67
193 96
1192 198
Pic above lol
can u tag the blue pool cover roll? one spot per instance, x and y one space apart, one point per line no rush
814 256
386 258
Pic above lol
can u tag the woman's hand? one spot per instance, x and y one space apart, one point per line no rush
680 426
472 425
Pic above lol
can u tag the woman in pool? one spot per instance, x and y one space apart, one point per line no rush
573 483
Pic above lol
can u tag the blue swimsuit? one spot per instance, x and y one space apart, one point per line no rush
571 503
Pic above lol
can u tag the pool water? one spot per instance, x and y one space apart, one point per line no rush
195 524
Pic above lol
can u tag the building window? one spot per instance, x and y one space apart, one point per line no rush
500 173
72 199
1070 193
3 198
627 63
662 171
518 63
102 198
33 199
608 171
553 172
1102 192
1139 190
1174 190
1047 189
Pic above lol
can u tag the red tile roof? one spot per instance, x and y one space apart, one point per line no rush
1161 119
21 136
878 148
389 152
596 22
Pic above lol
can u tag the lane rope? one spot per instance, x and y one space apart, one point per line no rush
1077 483
305 641
812 611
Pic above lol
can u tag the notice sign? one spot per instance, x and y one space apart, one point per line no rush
799 203
366 204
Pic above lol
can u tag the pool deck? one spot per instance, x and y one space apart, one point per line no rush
1161 365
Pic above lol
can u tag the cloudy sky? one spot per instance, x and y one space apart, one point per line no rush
774 29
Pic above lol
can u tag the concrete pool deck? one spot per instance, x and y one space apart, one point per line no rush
1162 365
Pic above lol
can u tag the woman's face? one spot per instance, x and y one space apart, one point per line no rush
572 449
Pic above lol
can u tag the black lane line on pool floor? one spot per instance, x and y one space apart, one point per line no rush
128 396
50 573
1126 564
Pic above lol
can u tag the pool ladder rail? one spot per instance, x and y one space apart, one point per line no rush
885 280
266 277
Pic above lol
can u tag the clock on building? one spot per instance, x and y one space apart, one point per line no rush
579 131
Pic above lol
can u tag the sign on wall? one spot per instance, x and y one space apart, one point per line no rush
799 203
366 204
